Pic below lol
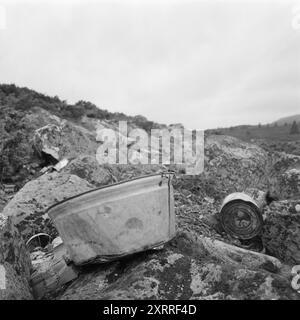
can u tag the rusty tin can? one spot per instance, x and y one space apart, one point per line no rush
240 216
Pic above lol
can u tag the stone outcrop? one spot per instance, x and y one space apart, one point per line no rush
185 269
88 168
234 165
30 203
201 262
66 140
289 184
281 234
239 256
284 175
15 263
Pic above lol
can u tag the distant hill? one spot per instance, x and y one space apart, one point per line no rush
272 137
288 120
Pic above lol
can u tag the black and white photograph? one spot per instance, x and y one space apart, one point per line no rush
149 153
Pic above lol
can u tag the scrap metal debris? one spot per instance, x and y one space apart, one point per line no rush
38 241
57 167
240 216
51 269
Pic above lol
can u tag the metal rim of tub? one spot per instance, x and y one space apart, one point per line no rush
162 174
111 258
241 219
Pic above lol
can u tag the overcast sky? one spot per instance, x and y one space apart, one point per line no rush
205 64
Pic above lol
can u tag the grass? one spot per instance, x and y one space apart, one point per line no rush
271 137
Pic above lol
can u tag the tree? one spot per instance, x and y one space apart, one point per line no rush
294 128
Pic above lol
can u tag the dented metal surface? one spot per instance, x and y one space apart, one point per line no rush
240 216
117 220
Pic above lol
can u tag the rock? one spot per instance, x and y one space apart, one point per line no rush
131 171
289 184
29 205
38 117
230 165
239 256
183 270
88 168
66 140
15 263
44 140
282 162
284 175
4 198
194 213
233 165
281 232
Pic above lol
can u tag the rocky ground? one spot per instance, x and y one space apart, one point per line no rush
201 262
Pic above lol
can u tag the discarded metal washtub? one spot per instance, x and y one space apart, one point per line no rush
240 216
117 220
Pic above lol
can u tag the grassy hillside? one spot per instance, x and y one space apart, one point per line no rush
23 99
268 132
17 157
288 120
272 137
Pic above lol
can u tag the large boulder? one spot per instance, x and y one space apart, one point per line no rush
281 234
232 165
87 167
66 140
4 198
185 269
284 175
289 184
29 205
15 263
38 117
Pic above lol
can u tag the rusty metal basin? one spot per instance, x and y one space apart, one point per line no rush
110 222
